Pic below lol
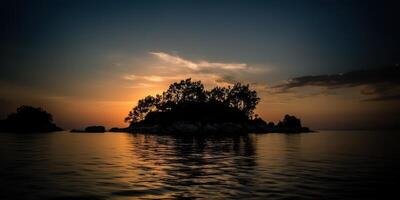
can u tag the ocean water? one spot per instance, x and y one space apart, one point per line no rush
322 165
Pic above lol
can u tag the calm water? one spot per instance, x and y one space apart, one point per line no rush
327 165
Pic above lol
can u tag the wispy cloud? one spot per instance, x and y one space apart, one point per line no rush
383 83
130 77
141 85
151 78
164 68
173 59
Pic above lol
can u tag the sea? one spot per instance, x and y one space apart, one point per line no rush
326 164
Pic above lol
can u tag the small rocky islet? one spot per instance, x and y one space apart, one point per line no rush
90 129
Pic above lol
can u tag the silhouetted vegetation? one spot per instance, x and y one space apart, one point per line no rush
28 119
91 129
188 100
187 107
289 124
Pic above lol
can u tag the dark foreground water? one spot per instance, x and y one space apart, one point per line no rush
324 165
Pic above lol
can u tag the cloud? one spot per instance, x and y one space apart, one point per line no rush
175 60
130 77
164 68
383 83
383 98
198 65
141 85
151 78
156 81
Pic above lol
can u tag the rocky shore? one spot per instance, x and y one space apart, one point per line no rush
207 128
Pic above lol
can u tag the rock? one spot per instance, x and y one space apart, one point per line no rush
116 129
145 128
194 128
231 128
185 127
91 129
95 129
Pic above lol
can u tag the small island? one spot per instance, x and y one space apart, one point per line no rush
28 119
90 129
187 108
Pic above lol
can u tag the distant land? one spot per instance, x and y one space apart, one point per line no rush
90 129
184 108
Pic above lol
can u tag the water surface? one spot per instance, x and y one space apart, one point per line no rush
327 165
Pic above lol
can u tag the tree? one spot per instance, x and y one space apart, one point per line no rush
29 119
30 114
191 93
144 106
219 94
271 125
291 122
241 97
185 91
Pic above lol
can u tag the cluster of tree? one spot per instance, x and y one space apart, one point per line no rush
188 98
289 121
29 119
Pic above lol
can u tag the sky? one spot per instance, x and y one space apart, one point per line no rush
334 64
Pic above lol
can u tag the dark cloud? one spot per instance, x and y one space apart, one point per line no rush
383 83
384 98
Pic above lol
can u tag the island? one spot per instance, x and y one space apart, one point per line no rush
187 108
90 129
28 119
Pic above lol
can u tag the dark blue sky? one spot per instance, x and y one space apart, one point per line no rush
299 36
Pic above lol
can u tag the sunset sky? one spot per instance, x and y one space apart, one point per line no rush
334 64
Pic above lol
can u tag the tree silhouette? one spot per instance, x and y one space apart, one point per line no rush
186 107
219 94
241 97
30 114
144 106
29 119
291 122
185 91
181 98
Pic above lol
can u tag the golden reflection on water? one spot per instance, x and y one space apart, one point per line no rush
153 166
121 165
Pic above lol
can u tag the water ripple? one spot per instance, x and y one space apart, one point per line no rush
121 165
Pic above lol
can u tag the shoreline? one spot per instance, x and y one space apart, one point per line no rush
199 128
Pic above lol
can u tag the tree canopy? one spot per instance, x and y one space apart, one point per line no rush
188 94
29 119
